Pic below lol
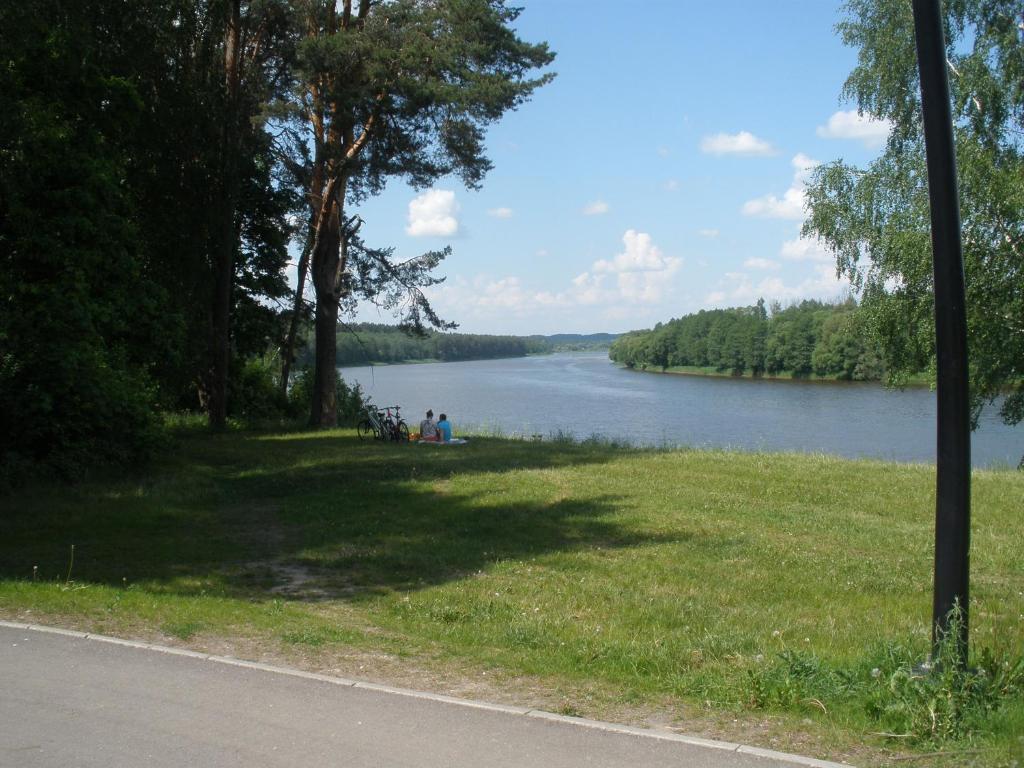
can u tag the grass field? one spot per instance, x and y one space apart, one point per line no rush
775 599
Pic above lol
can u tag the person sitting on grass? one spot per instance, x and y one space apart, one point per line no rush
428 428
444 429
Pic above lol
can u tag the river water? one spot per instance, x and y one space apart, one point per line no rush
585 394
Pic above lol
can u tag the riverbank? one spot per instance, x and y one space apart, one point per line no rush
608 582
918 380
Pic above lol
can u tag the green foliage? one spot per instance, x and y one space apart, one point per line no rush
876 219
365 343
828 340
844 349
571 342
255 394
923 704
76 306
374 343
436 74
796 680
404 89
351 402
110 119
947 699
948 702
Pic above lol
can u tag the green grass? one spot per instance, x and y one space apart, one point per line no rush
761 588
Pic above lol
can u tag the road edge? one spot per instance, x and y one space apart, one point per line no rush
580 722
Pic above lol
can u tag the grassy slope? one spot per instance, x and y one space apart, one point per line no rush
617 582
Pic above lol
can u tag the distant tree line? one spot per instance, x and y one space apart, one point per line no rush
812 337
375 343
575 342
366 343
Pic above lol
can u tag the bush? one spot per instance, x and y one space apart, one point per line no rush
350 399
253 391
69 409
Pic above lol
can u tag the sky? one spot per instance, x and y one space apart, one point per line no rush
659 174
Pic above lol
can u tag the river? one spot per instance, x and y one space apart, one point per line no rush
585 394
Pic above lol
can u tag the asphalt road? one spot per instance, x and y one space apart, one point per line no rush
67 701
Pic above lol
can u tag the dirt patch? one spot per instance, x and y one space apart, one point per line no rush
296 581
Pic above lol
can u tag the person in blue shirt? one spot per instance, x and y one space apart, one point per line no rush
444 428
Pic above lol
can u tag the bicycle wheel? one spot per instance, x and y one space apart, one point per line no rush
365 430
402 432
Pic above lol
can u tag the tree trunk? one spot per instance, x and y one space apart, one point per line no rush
325 407
328 263
220 332
288 350
222 256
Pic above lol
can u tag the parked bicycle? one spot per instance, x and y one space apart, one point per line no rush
381 424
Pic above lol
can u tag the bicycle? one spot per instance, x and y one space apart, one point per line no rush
383 425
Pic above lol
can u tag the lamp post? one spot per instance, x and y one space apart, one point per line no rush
953 456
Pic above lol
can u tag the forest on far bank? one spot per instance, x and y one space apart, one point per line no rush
366 343
824 339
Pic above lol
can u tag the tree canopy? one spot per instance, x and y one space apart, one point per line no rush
803 339
402 89
158 158
876 218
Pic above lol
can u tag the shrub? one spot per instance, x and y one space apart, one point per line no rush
67 410
350 399
253 390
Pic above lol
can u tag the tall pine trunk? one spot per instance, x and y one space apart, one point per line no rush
325 377
222 254
328 264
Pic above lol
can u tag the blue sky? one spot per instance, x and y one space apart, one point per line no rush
659 174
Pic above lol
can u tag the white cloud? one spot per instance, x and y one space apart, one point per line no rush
640 255
500 213
803 166
542 252
740 288
671 185
595 208
742 143
624 286
791 204
710 233
804 249
758 263
850 124
433 214
642 270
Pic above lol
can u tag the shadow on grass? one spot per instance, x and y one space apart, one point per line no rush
315 516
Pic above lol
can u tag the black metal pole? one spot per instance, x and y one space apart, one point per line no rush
953 460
